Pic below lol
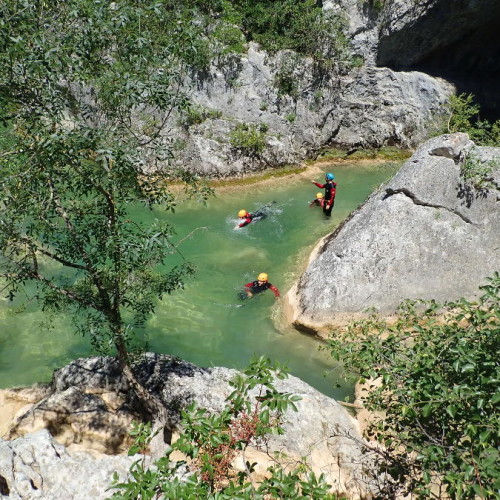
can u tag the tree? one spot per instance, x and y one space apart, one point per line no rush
210 442
464 116
438 376
85 91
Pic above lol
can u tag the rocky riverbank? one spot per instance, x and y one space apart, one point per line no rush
64 437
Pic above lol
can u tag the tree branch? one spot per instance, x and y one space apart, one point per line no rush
90 269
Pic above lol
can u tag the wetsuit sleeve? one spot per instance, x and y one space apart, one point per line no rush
333 192
275 290
320 185
245 222
249 285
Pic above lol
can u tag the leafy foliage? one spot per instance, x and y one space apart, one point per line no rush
464 117
478 173
65 205
210 442
79 81
299 25
195 115
285 80
435 376
248 139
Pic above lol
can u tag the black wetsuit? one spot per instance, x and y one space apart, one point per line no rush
254 216
256 288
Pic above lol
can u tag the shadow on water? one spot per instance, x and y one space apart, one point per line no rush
206 323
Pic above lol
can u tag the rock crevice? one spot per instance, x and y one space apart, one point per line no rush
409 194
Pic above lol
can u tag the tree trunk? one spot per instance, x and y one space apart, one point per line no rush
148 405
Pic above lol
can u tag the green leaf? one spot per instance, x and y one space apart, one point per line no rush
264 417
485 436
133 450
468 367
451 410
426 410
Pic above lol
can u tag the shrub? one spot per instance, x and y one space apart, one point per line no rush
478 174
195 115
249 140
438 373
210 442
285 83
299 25
230 38
464 117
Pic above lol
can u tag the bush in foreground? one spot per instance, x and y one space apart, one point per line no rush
210 443
437 376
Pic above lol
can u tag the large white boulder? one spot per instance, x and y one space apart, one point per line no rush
426 234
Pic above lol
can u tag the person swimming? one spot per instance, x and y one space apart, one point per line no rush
248 217
319 200
261 284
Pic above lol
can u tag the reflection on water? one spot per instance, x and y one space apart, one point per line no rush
206 323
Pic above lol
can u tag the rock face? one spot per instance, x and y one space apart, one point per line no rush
37 467
411 31
456 40
322 430
427 234
365 107
411 55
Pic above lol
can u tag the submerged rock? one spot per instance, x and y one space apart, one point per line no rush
77 409
428 233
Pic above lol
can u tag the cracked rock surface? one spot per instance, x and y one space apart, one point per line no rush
366 107
426 234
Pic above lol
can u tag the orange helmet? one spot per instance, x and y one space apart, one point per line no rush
262 277
242 213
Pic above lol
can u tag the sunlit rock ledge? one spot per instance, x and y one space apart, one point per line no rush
64 435
426 234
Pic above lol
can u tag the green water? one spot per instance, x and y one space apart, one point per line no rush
206 323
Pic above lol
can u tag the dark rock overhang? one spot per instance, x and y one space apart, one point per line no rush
458 41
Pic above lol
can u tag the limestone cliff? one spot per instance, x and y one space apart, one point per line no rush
367 107
411 55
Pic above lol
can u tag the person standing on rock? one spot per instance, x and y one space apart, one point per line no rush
330 188
261 284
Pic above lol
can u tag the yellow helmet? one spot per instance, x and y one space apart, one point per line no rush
262 277
242 213
319 195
